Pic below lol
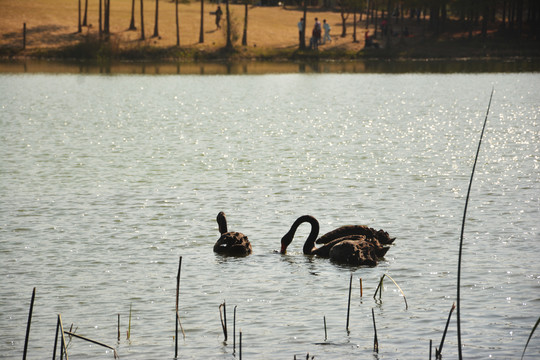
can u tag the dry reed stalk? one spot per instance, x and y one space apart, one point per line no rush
223 318
234 330
375 340
178 322
530 335
240 344
129 324
439 350
60 328
349 304
94 342
118 327
29 321
361 289
379 289
325 333
458 312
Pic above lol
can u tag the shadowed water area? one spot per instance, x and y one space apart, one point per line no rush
105 180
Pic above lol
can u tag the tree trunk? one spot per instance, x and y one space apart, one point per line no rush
229 41
156 32
201 32
303 39
177 24
142 21
344 17
100 19
132 22
107 17
244 36
79 21
354 25
84 22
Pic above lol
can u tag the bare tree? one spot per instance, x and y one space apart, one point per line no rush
84 22
156 32
201 33
132 22
100 19
106 24
142 21
244 36
229 44
79 22
177 24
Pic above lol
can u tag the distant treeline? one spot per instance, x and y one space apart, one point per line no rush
512 17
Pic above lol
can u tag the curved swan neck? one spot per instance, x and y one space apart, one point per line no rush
222 222
310 241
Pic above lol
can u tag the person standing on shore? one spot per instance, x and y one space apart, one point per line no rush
218 13
301 31
326 28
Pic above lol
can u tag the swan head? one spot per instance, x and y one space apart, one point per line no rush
286 241
222 222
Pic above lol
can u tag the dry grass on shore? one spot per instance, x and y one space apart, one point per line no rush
53 23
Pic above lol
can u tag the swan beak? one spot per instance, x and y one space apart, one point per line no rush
283 249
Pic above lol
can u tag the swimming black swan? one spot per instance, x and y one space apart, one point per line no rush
231 243
351 244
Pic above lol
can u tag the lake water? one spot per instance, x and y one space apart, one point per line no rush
106 180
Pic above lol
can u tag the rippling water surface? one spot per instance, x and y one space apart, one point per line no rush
107 180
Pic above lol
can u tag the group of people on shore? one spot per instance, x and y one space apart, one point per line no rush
316 34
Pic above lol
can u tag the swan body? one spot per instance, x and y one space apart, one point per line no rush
231 243
351 244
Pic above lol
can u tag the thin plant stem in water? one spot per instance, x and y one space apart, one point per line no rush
223 318
93 342
349 303
178 322
129 324
234 329
325 333
379 289
439 351
458 312
29 323
530 335
375 340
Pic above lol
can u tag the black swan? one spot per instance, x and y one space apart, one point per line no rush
351 244
231 243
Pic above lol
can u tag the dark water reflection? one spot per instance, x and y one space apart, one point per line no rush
252 68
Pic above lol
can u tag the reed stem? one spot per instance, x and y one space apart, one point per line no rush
361 288
234 329
439 351
118 327
379 289
93 342
458 312
530 335
62 339
223 318
240 344
325 333
29 319
375 340
177 322
349 303
129 325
